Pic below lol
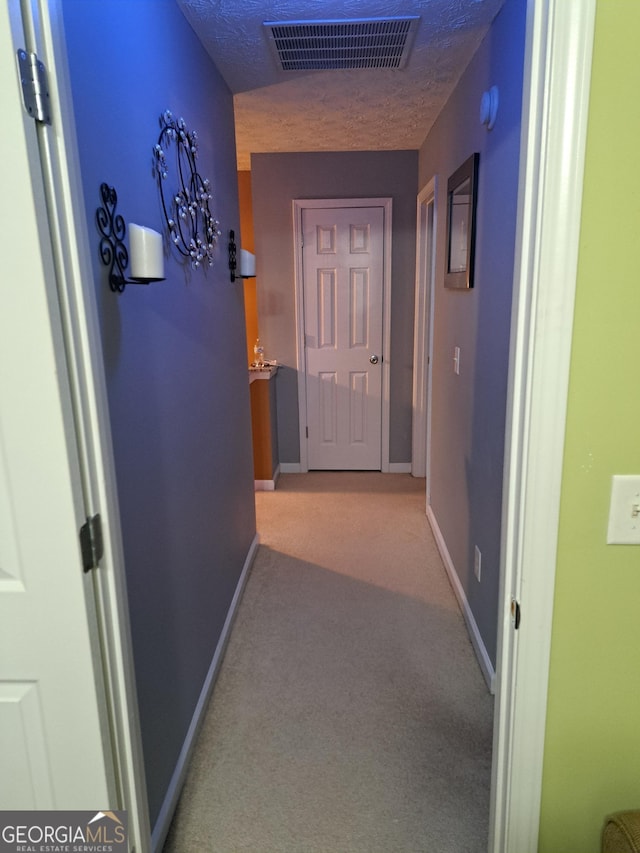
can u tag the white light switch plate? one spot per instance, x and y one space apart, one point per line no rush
624 511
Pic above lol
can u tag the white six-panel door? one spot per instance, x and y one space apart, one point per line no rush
343 313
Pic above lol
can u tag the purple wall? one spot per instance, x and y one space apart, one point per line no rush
468 411
175 359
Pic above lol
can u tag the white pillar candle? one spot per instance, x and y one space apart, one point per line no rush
247 264
145 252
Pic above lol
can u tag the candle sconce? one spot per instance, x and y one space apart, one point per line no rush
147 262
247 260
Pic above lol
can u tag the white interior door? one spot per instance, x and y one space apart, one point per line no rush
54 740
343 251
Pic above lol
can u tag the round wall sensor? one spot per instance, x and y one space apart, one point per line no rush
489 107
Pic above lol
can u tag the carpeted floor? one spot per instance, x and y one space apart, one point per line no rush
350 715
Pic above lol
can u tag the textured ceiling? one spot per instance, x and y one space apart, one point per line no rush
374 110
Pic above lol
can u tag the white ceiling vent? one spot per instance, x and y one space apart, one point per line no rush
341 45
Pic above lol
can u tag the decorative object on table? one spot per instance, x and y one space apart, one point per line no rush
185 195
247 260
258 351
462 193
145 246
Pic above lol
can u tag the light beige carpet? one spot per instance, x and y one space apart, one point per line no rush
350 715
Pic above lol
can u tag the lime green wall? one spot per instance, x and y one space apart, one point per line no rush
592 750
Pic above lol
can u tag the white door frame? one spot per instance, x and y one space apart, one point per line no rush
555 107
59 161
299 205
423 329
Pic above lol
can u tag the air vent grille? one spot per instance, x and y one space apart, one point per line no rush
341 45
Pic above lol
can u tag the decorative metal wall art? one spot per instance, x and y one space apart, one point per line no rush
233 261
192 228
247 260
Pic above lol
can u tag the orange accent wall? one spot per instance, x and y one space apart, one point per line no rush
261 426
247 242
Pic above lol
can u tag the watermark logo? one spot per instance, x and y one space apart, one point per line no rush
63 832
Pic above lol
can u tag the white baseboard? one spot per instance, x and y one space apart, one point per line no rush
267 485
161 828
290 468
394 468
399 467
472 627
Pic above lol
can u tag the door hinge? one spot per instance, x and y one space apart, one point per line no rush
307 431
91 543
515 613
35 87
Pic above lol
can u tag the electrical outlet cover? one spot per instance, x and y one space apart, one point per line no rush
624 511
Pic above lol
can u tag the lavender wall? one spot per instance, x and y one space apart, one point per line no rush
468 420
175 360
277 179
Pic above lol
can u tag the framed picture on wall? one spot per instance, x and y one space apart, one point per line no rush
462 192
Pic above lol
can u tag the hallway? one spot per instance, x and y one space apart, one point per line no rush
350 713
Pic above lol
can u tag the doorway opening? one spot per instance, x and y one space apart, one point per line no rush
426 230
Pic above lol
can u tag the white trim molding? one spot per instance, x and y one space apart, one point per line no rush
398 468
73 252
555 107
163 822
264 485
299 205
484 661
290 468
267 485
393 468
426 231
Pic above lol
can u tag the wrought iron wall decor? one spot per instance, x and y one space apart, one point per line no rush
192 228
247 260
113 251
233 261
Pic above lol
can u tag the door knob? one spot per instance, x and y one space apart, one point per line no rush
374 359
